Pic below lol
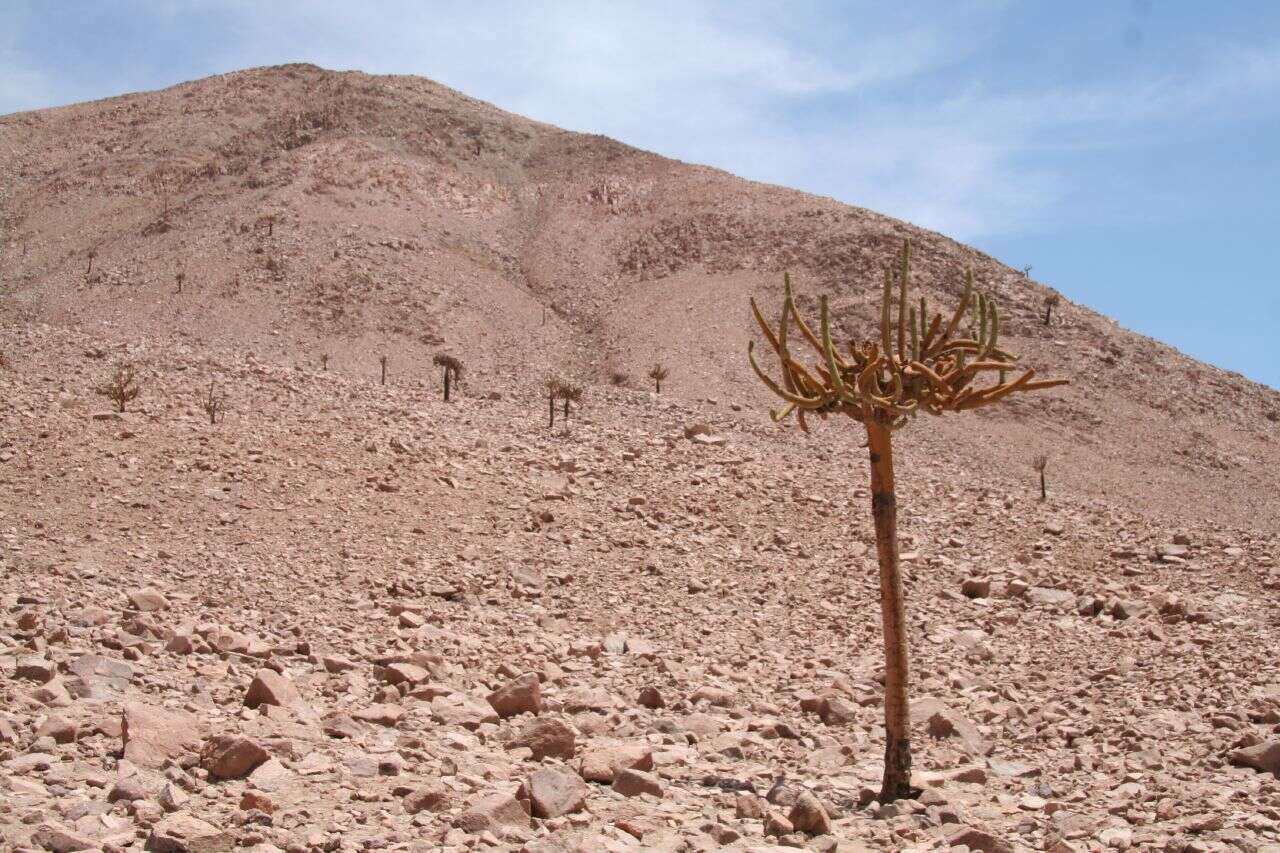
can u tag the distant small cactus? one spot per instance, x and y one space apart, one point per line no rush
179 277
211 402
452 370
1040 462
554 386
122 387
1050 302
619 379
658 373
382 359
93 253
324 361
570 394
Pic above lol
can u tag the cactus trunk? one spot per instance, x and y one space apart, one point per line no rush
897 714
1044 495
552 399
446 384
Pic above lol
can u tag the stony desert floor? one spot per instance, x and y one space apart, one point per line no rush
351 616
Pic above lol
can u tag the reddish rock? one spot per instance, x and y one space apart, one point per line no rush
491 812
152 735
180 832
1264 756
808 815
553 793
633 783
431 798
602 764
547 737
148 600
522 695
271 688
231 756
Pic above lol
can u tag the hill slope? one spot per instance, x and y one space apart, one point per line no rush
408 218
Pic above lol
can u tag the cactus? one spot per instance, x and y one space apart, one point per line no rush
324 361
93 253
122 387
554 386
1050 302
570 394
382 359
179 277
452 370
212 403
884 388
658 373
1041 462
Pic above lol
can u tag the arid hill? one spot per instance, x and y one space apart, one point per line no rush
350 616
310 211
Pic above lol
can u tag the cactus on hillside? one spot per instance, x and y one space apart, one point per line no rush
883 384
122 387
658 373
452 370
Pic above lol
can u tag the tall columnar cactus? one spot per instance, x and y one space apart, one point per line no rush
658 373
570 393
918 364
452 370
1040 463
382 360
554 387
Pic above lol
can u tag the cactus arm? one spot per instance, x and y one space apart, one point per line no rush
885 307
807 402
902 301
828 349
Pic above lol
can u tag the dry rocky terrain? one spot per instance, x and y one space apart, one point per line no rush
353 616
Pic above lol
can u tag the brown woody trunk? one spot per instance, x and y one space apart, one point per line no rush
446 384
897 714
552 397
1044 495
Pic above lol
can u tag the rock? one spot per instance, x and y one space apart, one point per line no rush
713 696
1048 597
152 735
521 695
61 840
382 715
340 726
256 801
976 588
128 790
491 812
231 756
148 600
35 668
809 816
977 839
547 737
553 793
431 797
776 825
462 709
1264 756
748 806
271 688
633 783
59 728
182 833
944 722
650 698
397 673
602 764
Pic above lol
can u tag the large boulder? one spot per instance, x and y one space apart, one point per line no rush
152 735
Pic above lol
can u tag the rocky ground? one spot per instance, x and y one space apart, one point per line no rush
351 616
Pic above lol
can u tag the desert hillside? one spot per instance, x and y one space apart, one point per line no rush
350 615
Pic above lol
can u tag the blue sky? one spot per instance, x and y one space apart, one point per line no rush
1129 151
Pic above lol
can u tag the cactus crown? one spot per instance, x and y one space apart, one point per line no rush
927 368
658 372
448 362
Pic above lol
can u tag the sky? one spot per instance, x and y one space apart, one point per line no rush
1127 151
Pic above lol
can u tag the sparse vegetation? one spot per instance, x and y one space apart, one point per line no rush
1040 462
658 373
619 379
1026 271
324 361
553 386
92 254
382 360
452 370
884 384
211 402
570 393
1050 302
179 277
122 387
